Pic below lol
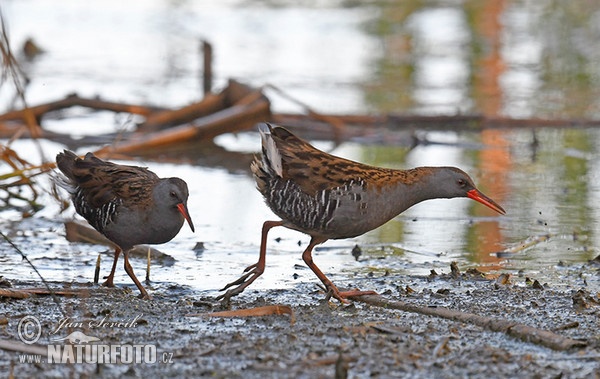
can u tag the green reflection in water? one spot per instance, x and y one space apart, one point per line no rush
524 59
573 203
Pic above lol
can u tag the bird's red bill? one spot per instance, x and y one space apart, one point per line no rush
184 211
478 196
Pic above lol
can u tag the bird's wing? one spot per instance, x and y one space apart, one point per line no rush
102 182
314 170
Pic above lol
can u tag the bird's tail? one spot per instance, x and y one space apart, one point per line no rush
268 166
65 162
271 156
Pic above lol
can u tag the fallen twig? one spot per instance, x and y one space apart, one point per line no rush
529 242
450 122
23 293
148 266
210 104
74 100
97 269
18 346
524 332
14 294
233 119
252 312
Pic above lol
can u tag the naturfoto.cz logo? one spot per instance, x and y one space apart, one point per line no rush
79 347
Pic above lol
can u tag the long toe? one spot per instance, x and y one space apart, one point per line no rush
356 292
342 296
145 296
239 281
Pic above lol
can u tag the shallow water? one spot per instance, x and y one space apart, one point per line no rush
548 206
546 179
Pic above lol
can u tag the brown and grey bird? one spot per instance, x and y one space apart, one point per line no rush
130 205
328 197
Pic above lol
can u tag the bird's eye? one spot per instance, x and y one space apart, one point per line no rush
461 182
173 194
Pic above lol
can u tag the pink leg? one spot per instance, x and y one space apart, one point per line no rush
111 276
252 272
333 290
144 295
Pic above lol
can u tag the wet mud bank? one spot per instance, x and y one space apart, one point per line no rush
322 339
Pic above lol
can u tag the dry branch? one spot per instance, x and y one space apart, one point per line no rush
235 93
524 332
267 310
18 346
453 122
74 100
14 294
232 119
161 120
207 72
23 293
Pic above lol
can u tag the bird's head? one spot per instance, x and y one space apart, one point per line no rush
453 182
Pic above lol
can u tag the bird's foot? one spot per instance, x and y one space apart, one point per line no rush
144 296
108 282
342 296
251 273
143 293
250 268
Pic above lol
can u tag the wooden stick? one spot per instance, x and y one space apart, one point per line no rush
14 129
207 75
235 93
14 345
236 118
524 332
97 271
148 266
75 100
19 293
160 120
14 294
453 122
266 310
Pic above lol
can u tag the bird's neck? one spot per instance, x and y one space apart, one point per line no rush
419 185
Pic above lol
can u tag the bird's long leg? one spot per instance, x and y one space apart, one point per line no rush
252 272
335 292
109 279
129 270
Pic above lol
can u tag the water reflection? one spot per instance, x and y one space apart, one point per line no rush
514 58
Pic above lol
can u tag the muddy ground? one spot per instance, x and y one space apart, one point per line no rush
327 339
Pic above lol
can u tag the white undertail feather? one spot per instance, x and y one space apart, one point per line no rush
270 149
63 182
